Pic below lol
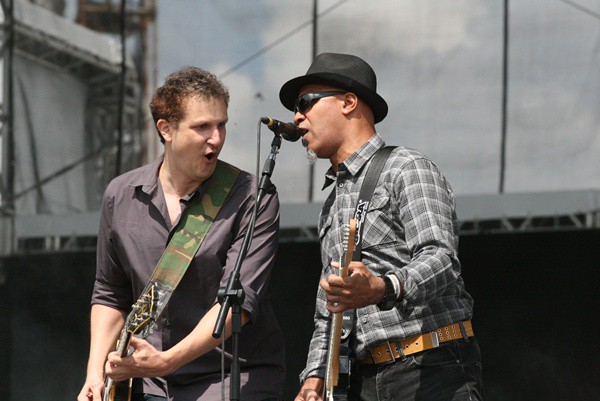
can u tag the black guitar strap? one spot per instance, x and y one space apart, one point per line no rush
366 193
362 207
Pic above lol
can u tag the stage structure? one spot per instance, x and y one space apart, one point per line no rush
484 214
134 20
71 119
478 215
60 136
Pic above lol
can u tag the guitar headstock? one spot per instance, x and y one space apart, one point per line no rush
143 313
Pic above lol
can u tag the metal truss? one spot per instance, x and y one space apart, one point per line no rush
51 234
502 225
484 214
100 71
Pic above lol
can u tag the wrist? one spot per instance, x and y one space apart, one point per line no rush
379 290
313 383
170 361
96 367
389 299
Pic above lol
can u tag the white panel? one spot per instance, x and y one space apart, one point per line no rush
49 125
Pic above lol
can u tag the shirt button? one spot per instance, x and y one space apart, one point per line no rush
365 320
341 185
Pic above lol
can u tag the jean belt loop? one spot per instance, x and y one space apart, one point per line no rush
463 331
403 357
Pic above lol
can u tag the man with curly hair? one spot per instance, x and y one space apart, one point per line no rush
180 360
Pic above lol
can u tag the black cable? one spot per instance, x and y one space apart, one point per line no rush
504 99
122 85
315 51
582 8
278 41
40 201
8 166
60 172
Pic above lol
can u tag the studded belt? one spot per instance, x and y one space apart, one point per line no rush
390 351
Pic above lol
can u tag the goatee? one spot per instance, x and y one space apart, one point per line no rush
310 154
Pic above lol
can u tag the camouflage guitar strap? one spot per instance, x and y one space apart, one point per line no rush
189 234
192 229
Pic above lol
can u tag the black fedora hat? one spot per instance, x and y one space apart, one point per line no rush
344 71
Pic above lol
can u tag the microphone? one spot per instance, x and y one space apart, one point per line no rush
288 131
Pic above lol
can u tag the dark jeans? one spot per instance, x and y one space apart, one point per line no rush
451 372
149 397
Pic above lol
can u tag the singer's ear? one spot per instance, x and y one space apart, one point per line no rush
164 127
350 103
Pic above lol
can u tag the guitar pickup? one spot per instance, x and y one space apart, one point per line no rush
347 325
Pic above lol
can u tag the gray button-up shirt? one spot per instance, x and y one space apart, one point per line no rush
410 231
134 231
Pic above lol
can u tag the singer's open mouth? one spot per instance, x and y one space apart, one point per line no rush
210 156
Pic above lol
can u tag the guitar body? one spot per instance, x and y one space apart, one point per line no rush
339 392
120 391
337 371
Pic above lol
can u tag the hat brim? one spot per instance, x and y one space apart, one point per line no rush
289 91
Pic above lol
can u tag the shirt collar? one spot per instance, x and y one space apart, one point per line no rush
147 180
355 162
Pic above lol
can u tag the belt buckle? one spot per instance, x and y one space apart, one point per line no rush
391 359
435 342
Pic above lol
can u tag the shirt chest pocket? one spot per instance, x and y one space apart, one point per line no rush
378 228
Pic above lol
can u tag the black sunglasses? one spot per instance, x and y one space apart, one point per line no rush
306 101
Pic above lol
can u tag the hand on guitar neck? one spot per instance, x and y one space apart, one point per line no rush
146 361
359 289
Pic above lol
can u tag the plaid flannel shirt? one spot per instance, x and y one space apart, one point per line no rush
410 231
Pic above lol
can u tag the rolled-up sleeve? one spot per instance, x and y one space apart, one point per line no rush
112 287
427 211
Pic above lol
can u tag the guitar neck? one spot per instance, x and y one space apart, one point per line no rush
333 356
332 369
123 341
111 392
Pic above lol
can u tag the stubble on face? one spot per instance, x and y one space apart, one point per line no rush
197 141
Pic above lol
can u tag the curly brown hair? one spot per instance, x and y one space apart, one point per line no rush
167 101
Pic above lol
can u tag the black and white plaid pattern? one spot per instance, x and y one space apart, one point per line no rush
410 230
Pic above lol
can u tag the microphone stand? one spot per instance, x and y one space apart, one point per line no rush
232 295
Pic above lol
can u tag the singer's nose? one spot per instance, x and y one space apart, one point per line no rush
298 118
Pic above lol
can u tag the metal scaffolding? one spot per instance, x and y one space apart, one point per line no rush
114 121
482 214
477 214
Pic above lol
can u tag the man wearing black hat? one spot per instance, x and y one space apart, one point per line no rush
412 337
